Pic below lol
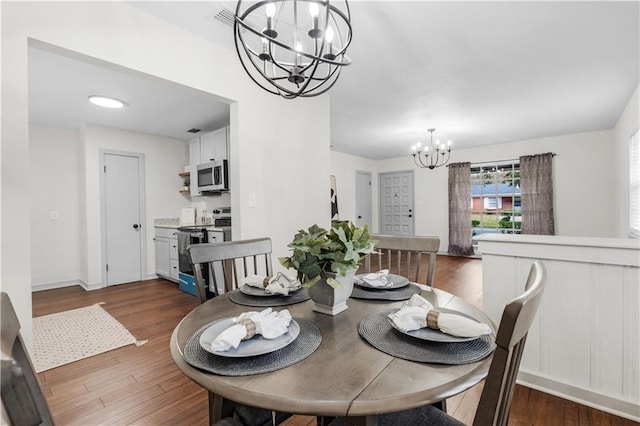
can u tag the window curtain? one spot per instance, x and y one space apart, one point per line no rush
460 209
536 189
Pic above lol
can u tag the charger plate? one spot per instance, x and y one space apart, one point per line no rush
397 281
376 329
304 345
259 292
403 293
239 298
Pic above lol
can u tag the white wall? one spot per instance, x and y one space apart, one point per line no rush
55 182
269 135
164 158
58 157
585 200
344 168
627 125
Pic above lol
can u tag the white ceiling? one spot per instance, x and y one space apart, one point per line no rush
479 72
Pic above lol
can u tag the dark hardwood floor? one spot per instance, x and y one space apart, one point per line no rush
141 385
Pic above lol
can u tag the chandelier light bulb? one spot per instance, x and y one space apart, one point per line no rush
270 10
329 35
314 10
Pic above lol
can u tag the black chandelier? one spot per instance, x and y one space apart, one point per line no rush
432 156
293 48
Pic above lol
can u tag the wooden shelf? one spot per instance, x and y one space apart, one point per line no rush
184 174
184 191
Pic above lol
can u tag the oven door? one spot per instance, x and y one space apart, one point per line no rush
185 239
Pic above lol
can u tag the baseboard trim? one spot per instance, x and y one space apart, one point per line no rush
60 284
90 287
605 403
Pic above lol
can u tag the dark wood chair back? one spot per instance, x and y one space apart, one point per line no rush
411 256
230 261
22 396
517 317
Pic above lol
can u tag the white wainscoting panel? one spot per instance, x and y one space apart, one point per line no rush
585 342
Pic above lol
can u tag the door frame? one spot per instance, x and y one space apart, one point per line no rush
413 197
103 210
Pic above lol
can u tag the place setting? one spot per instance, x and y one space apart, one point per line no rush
418 331
382 285
258 290
253 342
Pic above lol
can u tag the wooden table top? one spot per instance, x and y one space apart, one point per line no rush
345 376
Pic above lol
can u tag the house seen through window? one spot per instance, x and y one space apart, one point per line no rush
495 198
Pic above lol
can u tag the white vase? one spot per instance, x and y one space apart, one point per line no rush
329 300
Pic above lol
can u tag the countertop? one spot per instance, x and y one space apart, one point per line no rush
174 223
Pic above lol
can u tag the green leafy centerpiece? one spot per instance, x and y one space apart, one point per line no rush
326 261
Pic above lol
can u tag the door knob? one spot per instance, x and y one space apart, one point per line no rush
136 226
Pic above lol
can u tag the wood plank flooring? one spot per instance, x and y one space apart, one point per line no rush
141 385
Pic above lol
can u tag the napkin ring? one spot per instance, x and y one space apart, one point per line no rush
432 319
250 326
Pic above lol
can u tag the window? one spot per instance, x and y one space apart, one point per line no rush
495 198
634 186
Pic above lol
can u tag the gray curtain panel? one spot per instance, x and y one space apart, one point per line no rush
536 188
460 209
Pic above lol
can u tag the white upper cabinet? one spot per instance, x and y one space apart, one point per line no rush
204 148
213 146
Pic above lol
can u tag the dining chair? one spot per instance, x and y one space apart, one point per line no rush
495 400
22 397
230 261
404 255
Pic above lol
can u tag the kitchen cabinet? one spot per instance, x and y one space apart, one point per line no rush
205 148
213 145
166 249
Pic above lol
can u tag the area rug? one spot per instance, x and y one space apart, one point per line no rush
69 336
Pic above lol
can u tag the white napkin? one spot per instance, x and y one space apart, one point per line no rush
268 323
378 279
253 280
412 315
280 284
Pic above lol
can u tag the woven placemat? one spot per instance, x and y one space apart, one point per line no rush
240 298
403 293
305 344
377 330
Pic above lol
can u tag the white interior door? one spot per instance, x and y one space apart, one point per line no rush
123 233
363 199
396 203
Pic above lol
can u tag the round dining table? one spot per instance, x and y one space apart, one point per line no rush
345 376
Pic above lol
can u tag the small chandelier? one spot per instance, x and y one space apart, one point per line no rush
293 48
434 155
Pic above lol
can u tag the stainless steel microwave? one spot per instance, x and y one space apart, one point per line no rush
213 176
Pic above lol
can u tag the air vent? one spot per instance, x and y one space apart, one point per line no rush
193 130
225 16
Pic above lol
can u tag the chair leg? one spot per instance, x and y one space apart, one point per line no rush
215 408
441 405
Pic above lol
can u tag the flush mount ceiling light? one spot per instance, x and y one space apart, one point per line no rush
293 48
106 101
432 156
